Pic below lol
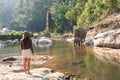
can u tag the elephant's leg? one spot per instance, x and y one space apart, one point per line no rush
82 40
79 41
75 42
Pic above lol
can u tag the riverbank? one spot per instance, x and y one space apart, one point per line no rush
108 55
13 70
106 37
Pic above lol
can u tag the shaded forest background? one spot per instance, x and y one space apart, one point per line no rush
55 16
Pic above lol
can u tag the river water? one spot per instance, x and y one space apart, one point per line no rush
76 60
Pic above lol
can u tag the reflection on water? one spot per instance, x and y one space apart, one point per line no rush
77 60
9 51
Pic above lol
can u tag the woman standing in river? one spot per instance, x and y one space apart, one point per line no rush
27 51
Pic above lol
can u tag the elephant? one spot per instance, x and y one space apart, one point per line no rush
77 41
79 35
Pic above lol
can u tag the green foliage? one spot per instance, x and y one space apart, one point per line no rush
95 10
59 18
11 36
86 12
51 23
6 8
86 15
1 12
31 14
63 14
112 5
55 34
71 16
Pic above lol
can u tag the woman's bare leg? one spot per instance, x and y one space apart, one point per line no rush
28 64
25 61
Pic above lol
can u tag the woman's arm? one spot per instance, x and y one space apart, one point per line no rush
21 43
31 46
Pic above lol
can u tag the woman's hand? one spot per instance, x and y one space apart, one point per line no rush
33 54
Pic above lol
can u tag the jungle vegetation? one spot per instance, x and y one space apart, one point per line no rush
55 16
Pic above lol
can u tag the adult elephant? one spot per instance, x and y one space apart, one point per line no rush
79 35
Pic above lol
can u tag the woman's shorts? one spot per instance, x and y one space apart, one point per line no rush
26 53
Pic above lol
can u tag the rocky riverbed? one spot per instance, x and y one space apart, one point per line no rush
108 55
106 38
11 68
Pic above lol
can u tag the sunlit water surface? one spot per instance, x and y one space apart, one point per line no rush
77 60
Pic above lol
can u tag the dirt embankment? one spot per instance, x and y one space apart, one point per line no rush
110 23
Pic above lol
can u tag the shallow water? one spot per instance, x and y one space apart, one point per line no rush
77 60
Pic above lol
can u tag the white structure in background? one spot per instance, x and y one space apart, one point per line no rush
44 42
2 45
5 29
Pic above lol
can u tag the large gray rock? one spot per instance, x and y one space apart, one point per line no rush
109 39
